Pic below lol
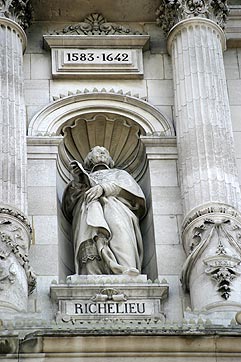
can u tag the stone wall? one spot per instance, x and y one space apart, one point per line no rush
164 199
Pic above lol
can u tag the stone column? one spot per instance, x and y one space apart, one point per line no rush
207 168
16 276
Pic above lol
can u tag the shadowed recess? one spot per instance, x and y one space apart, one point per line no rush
121 136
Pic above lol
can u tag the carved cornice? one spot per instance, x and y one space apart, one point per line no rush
171 12
19 11
96 24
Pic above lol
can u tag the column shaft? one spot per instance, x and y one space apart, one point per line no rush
12 116
207 166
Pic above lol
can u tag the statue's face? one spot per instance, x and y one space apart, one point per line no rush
100 155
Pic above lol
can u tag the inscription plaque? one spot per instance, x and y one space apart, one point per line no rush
97 62
85 308
96 57
91 297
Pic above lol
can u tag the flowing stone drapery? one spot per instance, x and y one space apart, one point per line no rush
16 277
207 167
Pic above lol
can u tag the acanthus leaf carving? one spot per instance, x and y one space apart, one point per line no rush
96 24
17 10
171 12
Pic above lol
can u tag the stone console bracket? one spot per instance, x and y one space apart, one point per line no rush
112 296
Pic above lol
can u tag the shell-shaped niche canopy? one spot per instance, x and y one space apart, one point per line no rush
120 135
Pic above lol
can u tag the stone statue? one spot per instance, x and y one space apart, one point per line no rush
104 207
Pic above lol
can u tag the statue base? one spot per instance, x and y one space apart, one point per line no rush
86 297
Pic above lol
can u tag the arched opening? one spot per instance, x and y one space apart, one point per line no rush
105 119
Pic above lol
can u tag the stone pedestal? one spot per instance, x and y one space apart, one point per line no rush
108 296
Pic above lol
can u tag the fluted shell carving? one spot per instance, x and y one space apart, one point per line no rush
171 12
96 24
17 10
118 134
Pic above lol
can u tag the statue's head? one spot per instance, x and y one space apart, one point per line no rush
98 155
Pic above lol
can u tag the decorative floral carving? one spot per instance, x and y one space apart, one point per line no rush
17 10
96 24
223 268
170 12
12 240
223 265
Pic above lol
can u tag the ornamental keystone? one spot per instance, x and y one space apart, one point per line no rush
171 12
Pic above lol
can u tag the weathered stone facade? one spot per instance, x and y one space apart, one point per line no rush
158 84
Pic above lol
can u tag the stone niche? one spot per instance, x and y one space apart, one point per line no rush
121 136
118 121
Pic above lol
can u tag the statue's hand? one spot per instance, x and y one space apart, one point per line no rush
75 171
93 194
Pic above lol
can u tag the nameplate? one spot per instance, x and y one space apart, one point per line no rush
91 62
97 56
79 308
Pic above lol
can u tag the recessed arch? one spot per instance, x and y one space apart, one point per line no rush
52 118
113 120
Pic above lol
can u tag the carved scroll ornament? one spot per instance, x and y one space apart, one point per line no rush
96 24
171 12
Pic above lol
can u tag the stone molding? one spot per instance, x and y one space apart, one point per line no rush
20 11
96 24
8 23
209 210
50 120
171 12
189 23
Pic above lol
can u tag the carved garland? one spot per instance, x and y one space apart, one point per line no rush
18 10
13 242
22 259
17 214
171 12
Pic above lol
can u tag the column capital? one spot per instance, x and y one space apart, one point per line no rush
171 12
19 11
